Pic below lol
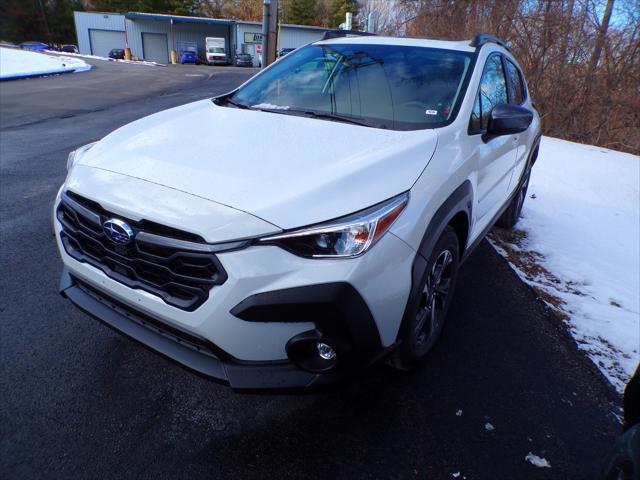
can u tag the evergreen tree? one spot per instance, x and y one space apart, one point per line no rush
178 7
60 19
46 21
301 12
21 20
338 9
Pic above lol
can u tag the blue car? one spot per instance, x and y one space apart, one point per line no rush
36 46
187 56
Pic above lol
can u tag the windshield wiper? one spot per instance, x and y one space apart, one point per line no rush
314 114
310 113
335 117
237 104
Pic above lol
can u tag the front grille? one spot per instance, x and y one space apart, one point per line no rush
174 265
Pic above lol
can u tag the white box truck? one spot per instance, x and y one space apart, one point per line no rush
216 50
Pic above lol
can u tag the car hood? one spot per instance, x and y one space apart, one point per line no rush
288 170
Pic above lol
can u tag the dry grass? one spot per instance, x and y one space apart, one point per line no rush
528 263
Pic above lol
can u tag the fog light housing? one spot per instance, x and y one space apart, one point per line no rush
325 351
313 352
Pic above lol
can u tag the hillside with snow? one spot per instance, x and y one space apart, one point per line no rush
17 63
578 245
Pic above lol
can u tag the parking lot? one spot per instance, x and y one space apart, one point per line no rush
81 401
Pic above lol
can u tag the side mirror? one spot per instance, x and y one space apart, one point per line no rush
507 119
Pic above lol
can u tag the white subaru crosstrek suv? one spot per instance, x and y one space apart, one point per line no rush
315 222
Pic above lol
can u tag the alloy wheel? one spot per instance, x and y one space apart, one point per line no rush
433 299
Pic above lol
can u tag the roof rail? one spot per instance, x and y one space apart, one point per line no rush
482 38
329 34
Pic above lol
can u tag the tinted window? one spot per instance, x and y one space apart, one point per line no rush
493 90
386 86
515 83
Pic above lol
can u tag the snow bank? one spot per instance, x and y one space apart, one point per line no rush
16 63
106 59
578 245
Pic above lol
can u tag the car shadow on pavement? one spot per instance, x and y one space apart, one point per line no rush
488 394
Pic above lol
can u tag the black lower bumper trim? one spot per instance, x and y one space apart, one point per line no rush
338 311
240 376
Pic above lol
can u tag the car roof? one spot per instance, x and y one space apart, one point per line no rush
460 45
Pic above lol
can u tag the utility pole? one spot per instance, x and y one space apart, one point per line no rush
43 11
372 19
265 32
272 43
269 31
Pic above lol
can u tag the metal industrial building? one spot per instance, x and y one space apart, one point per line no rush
152 36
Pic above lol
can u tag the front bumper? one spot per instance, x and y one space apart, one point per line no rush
270 300
204 358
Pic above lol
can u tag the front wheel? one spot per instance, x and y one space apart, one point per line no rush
428 309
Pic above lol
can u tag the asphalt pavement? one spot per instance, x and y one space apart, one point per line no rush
80 401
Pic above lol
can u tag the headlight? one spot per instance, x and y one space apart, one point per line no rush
76 154
345 237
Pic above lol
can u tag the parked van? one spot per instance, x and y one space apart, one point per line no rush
216 51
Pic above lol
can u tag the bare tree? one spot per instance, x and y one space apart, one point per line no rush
582 67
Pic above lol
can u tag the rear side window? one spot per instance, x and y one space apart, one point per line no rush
515 83
493 90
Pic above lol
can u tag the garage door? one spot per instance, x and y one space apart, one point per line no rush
155 47
103 41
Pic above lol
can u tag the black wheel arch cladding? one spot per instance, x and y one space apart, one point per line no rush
458 206
453 211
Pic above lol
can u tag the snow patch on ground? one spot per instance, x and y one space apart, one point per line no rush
577 245
537 461
16 63
106 59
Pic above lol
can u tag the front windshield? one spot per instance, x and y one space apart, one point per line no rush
384 86
215 50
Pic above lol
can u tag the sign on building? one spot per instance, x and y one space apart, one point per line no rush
252 37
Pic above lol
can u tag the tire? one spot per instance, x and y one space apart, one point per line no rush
512 214
427 311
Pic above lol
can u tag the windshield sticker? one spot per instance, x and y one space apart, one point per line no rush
431 112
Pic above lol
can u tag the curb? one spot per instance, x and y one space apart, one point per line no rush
36 75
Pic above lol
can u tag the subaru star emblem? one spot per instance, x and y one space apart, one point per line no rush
118 231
